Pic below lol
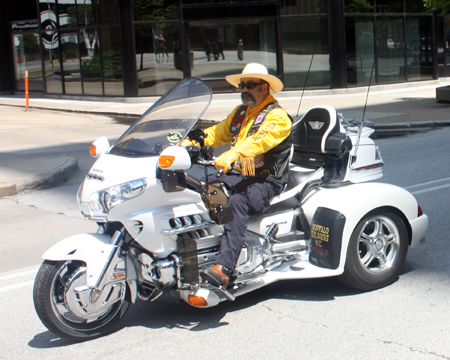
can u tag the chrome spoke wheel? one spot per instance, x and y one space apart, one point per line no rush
63 302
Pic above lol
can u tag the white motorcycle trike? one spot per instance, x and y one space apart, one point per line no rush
159 226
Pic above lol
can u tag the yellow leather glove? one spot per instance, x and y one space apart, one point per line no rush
242 152
189 142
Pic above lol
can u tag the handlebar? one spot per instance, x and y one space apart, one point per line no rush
207 162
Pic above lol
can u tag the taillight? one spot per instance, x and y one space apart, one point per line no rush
419 211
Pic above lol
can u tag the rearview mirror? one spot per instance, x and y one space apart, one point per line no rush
99 147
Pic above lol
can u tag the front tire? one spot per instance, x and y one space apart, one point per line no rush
376 251
65 312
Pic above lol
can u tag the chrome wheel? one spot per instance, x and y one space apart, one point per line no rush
378 244
69 309
376 251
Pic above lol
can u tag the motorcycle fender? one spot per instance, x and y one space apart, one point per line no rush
92 249
354 201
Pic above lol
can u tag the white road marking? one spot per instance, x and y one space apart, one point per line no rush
19 274
16 286
426 185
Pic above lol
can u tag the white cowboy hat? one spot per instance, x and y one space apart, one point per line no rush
255 70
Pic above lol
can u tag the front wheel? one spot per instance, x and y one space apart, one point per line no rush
63 302
376 251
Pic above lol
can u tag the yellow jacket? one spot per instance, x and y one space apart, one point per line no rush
275 128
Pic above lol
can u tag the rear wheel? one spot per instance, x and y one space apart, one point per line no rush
376 251
63 302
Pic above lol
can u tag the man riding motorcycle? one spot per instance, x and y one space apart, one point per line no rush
259 132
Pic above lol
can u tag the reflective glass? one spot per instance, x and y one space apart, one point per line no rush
390 50
90 62
359 6
71 62
221 1
223 48
302 7
27 56
159 60
389 6
144 10
108 11
419 51
447 48
359 50
306 40
87 12
48 19
415 6
111 60
53 79
67 13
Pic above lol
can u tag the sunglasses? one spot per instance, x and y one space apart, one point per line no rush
250 85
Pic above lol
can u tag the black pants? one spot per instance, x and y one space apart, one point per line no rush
249 196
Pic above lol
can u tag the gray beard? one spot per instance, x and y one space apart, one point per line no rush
248 99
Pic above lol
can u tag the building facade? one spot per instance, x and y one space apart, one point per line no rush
132 48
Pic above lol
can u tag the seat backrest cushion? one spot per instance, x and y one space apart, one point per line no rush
310 134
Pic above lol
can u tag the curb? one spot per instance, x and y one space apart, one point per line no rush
46 180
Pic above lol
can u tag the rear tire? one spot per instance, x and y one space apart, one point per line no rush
376 251
52 293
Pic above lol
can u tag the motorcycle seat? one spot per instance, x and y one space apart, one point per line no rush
297 176
310 135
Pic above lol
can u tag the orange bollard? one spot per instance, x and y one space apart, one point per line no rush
26 88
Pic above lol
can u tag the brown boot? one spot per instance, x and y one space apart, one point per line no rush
217 276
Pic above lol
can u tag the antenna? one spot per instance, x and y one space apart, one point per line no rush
363 117
309 68
354 157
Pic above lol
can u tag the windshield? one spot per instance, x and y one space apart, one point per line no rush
167 122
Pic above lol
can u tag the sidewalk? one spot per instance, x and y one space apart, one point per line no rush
397 108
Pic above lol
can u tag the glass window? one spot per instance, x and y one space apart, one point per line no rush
108 11
301 41
419 48
359 50
47 11
90 62
27 56
219 48
390 50
67 13
71 62
390 6
159 60
302 7
415 6
52 64
359 6
447 51
111 60
220 1
87 12
144 10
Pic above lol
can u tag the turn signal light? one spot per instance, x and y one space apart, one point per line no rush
93 150
166 161
197 301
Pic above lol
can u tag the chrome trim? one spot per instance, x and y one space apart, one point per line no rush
185 229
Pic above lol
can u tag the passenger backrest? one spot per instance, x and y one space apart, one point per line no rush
310 134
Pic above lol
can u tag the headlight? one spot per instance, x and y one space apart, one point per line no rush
101 202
